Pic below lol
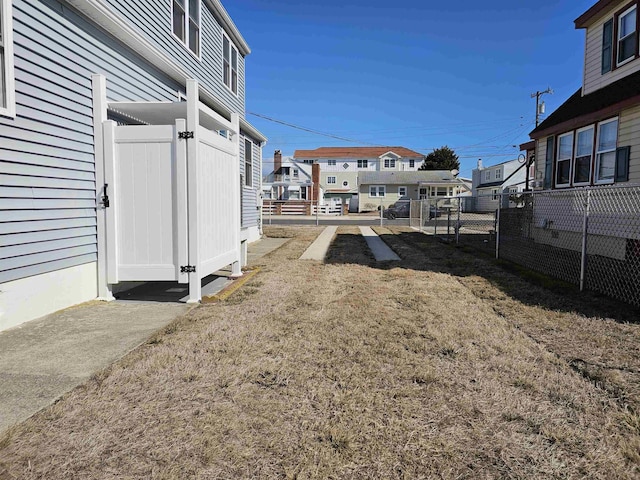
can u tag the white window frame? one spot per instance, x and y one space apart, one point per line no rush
423 193
389 163
598 152
412 163
618 39
498 174
7 79
495 194
332 162
296 173
186 25
564 159
331 180
363 163
402 191
377 191
228 82
248 163
487 175
575 155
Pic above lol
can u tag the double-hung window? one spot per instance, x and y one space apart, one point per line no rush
498 174
377 191
389 163
229 64
331 180
627 37
186 23
584 149
363 164
487 175
606 150
412 163
331 163
402 191
248 163
563 163
7 83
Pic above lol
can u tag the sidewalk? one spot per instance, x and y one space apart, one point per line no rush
43 359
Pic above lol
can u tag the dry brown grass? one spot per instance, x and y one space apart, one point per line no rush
426 368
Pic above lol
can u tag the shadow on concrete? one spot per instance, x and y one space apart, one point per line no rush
172 292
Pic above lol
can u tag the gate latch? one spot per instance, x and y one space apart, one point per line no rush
105 196
188 269
185 135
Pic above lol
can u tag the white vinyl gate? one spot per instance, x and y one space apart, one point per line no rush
146 218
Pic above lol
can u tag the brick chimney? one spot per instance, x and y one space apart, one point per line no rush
277 162
315 178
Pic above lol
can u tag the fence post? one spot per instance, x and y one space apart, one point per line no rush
458 221
381 213
435 218
498 230
585 227
420 224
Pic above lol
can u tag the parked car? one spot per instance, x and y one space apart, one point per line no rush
400 209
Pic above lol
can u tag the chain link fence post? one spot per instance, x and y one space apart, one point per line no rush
498 232
458 221
585 234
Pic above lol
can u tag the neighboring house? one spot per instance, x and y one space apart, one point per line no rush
385 188
289 179
490 183
594 137
77 77
340 167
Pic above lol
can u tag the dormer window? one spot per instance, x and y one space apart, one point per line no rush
627 38
389 163
186 23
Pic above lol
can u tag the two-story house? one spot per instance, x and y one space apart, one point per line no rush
340 167
110 110
489 184
594 137
290 179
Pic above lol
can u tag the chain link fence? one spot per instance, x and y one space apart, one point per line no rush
588 236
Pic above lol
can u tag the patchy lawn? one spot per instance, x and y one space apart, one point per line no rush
442 365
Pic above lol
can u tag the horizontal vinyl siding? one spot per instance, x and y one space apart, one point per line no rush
629 135
250 212
152 19
47 172
593 78
541 158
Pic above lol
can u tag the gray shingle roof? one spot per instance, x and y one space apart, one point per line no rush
404 178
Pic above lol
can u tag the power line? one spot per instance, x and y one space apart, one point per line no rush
305 129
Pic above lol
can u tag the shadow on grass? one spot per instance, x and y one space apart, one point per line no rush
425 253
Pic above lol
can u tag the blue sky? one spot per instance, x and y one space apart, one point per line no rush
418 74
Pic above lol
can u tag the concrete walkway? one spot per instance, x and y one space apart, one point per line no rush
43 359
380 250
319 248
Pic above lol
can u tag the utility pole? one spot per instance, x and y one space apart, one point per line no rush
539 106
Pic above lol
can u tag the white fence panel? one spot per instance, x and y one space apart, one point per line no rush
217 198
